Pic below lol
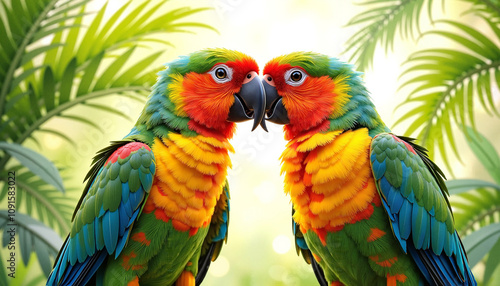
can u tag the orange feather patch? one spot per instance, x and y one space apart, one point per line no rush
134 282
375 234
141 237
309 104
201 93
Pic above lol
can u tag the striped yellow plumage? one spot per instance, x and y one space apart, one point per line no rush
190 174
331 183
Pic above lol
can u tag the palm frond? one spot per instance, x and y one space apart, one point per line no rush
34 236
382 19
475 208
446 81
90 68
489 9
40 200
24 23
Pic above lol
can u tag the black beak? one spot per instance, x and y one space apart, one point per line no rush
249 103
275 110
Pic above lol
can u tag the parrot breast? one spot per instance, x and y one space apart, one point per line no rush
329 179
339 211
189 178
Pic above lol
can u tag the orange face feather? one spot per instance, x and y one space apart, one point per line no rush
200 92
308 104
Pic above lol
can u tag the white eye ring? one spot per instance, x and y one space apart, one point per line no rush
292 72
221 73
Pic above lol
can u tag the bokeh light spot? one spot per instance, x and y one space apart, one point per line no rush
220 267
281 244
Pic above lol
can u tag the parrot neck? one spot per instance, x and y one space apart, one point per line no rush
359 113
352 109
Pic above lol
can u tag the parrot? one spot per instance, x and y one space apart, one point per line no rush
369 207
155 208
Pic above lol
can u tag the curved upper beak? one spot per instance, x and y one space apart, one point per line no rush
249 102
275 110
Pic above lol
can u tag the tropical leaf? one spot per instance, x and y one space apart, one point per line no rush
23 23
382 19
36 163
446 81
40 199
90 68
459 186
492 262
33 236
475 209
479 243
3 273
485 152
489 9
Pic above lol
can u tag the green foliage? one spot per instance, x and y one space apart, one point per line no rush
477 206
36 163
479 244
49 63
381 22
446 83
32 235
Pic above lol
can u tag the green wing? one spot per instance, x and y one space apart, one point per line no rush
118 185
415 197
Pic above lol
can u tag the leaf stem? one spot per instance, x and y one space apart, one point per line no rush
470 225
63 107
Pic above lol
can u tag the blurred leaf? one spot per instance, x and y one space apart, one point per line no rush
381 20
67 82
48 90
479 243
32 233
108 109
446 82
3 274
492 262
459 186
476 208
485 152
106 78
51 206
22 23
36 163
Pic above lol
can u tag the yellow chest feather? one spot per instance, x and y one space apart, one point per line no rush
328 177
190 174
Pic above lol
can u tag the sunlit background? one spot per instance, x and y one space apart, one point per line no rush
260 248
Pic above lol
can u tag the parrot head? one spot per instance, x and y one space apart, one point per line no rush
310 92
205 93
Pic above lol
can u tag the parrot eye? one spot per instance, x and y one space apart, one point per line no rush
295 77
221 73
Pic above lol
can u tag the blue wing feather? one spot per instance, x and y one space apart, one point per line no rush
107 233
410 199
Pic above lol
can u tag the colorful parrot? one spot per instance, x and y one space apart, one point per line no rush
156 204
369 207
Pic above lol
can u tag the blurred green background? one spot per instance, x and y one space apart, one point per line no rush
105 60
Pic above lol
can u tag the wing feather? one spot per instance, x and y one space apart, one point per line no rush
118 184
416 199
